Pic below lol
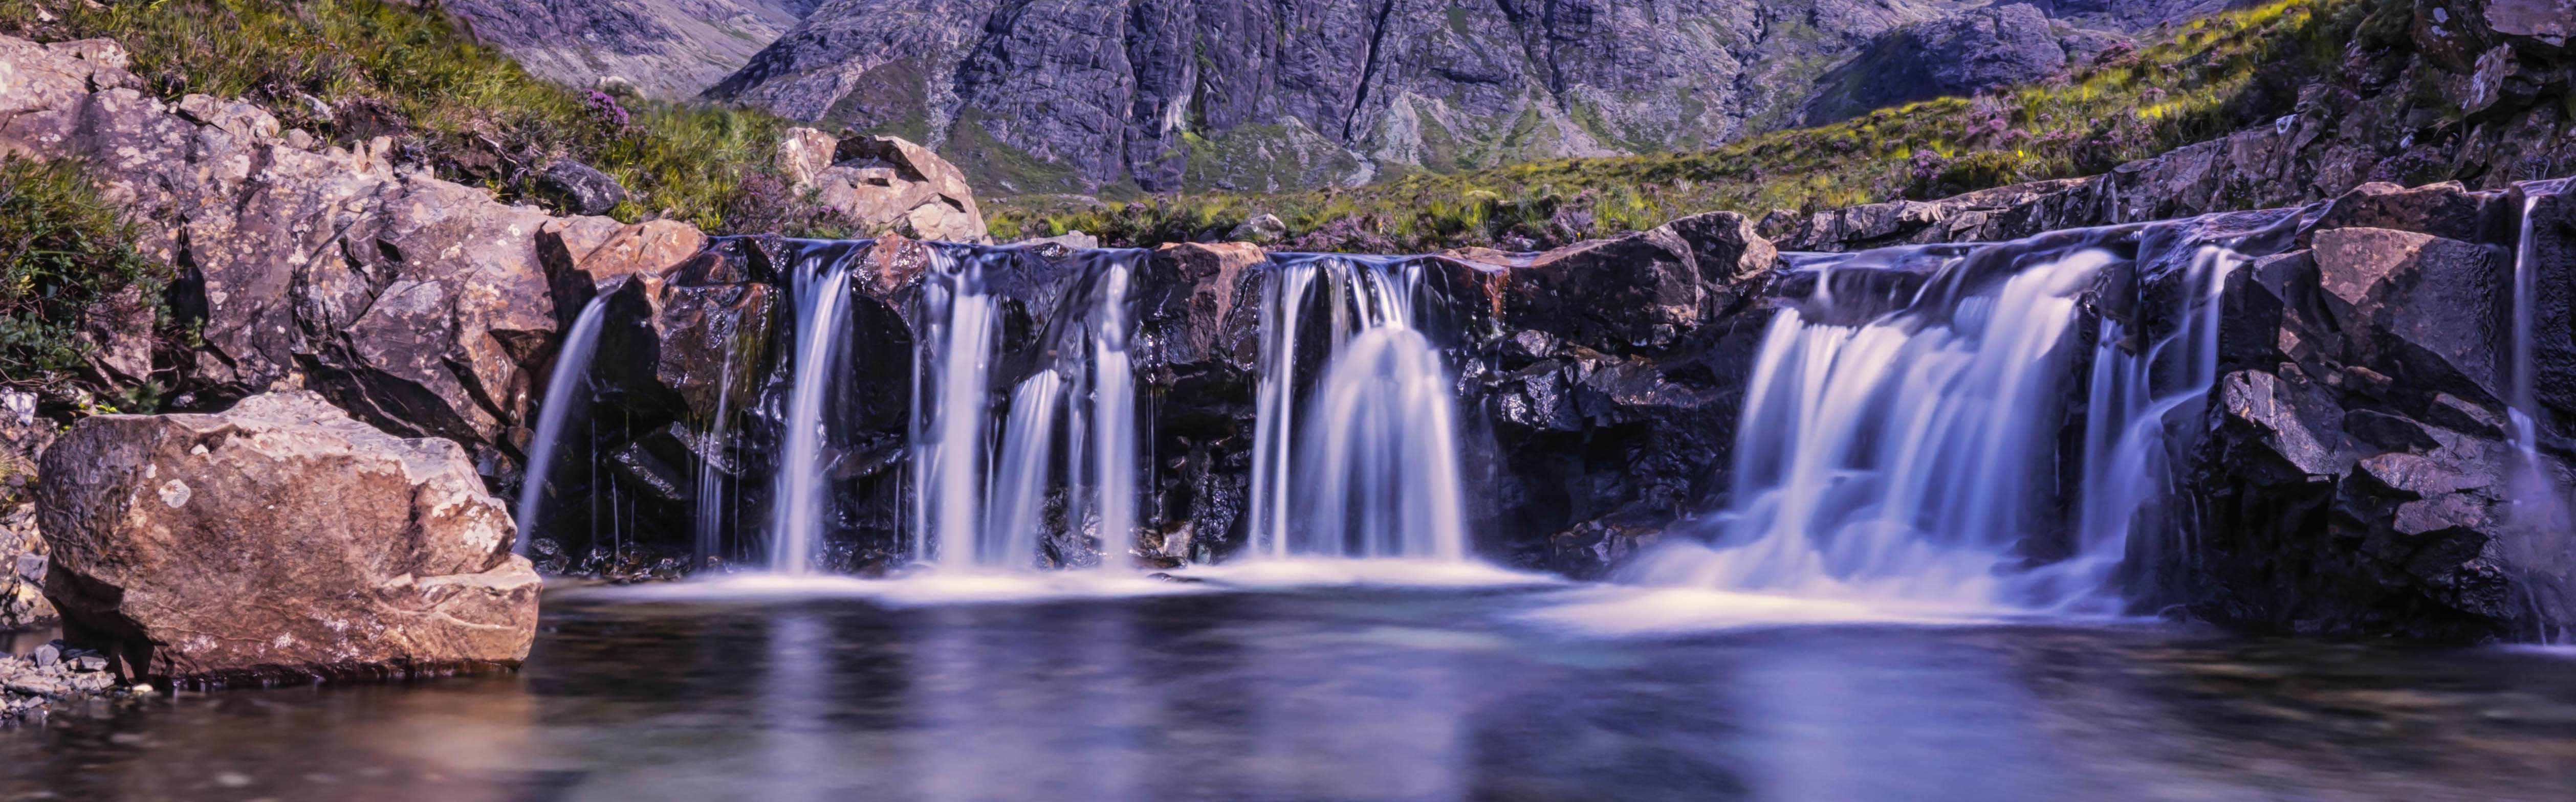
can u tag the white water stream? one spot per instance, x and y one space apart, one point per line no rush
571 372
1366 464
1909 459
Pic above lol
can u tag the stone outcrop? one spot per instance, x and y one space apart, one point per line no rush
2359 473
23 437
279 540
2367 125
422 306
882 183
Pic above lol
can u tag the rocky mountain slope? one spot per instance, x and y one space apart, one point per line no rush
1163 95
668 49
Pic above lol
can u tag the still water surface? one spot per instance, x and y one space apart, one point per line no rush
1346 693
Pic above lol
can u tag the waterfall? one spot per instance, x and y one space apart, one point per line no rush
1911 454
1369 468
979 512
821 297
2543 550
717 436
1020 488
571 371
1113 414
951 396
2130 396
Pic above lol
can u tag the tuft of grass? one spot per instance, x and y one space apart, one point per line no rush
2201 80
63 250
350 70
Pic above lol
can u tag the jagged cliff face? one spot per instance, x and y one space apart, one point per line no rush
1085 95
669 49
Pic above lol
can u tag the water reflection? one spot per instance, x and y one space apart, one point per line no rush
1345 694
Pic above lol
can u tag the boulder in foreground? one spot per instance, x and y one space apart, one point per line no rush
279 541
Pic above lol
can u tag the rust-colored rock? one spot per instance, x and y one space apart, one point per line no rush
1188 293
277 541
1637 291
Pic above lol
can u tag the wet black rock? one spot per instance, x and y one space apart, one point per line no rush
2358 474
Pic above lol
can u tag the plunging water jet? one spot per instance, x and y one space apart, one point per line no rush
1902 450
821 295
571 372
1365 462
2542 552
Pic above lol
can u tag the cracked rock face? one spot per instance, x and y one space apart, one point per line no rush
278 540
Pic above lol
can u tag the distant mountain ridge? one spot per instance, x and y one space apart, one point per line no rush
1119 97
669 49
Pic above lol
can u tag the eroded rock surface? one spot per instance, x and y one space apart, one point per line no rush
279 540
1957 55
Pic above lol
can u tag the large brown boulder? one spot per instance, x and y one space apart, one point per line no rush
277 541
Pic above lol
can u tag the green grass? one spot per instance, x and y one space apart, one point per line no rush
62 251
465 110
2200 81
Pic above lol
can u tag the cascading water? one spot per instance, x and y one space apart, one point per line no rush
2132 395
714 439
2542 553
1910 455
1113 414
821 296
1373 472
951 397
992 513
571 372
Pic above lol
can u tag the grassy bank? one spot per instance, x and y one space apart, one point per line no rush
2191 83
350 70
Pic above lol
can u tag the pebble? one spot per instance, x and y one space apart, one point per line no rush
31 685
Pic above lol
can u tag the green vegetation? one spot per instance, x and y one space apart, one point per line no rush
351 70
63 251
2200 81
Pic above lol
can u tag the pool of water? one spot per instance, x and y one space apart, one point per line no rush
1353 692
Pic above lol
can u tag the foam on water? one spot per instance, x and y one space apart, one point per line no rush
1287 573
1629 611
921 589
